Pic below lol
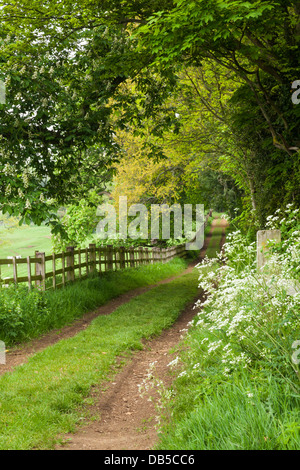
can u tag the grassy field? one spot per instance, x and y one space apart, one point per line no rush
23 241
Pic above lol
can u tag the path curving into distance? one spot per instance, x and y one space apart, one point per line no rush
124 419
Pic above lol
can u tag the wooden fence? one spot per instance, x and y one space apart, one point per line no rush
74 264
56 270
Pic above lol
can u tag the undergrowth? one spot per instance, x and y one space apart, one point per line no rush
237 384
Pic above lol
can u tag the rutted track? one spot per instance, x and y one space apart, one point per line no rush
125 420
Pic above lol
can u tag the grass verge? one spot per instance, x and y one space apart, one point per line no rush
240 413
237 387
46 396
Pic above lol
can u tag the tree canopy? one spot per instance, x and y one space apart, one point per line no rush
79 73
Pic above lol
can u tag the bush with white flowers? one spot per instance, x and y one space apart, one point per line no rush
252 318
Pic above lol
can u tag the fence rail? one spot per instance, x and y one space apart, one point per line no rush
79 263
75 263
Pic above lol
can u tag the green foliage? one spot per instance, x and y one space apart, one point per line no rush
238 382
79 223
57 103
257 41
287 220
177 58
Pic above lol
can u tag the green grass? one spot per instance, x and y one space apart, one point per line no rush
214 243
25 240
25 315
46 396
232 415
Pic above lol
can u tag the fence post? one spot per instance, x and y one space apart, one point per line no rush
29 273
147 255
54 270
70 264
131 254
79 263
15 270
40 270
262 237
63 266
117 258
141 255
109 257
92 247
87 260
122 257
104 252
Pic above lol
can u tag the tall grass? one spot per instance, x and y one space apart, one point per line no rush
233 415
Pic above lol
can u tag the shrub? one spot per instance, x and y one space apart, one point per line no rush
21 313
250 317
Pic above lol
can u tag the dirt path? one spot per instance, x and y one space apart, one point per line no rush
125 418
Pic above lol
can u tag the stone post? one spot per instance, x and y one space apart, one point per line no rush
262 238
